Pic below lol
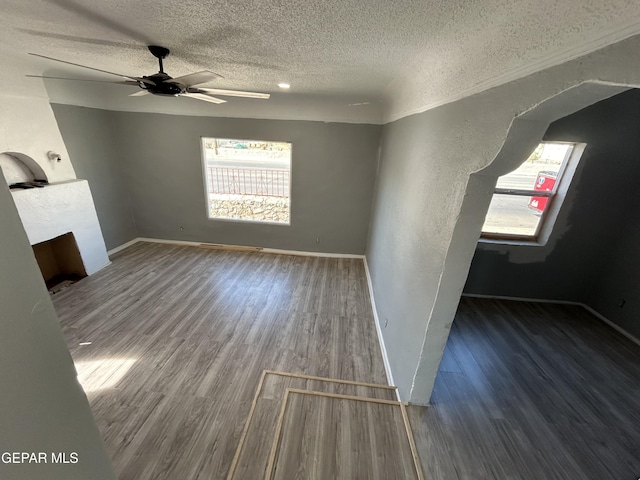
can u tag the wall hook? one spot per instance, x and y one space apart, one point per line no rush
54 156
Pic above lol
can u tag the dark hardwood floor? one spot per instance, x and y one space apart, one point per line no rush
532 391
180 336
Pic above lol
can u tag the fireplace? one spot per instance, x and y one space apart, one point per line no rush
59 261
59 219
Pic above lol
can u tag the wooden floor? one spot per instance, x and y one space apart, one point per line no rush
253 457
532 391
181 335
342 439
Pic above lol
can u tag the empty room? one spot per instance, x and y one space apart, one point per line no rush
319 240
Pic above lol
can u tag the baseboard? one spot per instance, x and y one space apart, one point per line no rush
123 246
250 248
611 324
98 269
593 312
313 254
383 348
522 299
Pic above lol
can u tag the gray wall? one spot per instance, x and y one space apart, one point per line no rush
434 187
333 174
593 252
423 175
42 406
620 279
89 137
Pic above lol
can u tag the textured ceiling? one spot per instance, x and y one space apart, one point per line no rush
429 50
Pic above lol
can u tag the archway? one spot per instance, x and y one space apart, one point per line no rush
18 167
524 134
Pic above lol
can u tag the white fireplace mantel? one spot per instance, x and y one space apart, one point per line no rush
60 208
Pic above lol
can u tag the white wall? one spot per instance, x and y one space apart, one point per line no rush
64 207
42 406
27 126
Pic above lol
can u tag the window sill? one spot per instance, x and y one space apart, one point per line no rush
245 220
516 241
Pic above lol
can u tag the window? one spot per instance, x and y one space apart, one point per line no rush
527 200
247 180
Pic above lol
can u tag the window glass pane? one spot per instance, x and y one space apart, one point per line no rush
540 170
248 179
514 215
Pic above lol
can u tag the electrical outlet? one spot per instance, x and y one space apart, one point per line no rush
317 239
182 229
621 302
386 322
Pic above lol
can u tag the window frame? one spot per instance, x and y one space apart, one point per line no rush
555 200
203 164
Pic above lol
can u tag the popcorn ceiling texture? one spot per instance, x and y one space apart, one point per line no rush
414 54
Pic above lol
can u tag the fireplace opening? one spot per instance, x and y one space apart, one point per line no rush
60 262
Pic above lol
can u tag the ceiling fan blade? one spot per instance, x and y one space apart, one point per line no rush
202 96
197 78
124 82
140 93
136 79
234 93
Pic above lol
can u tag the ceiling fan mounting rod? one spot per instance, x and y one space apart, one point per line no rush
159 53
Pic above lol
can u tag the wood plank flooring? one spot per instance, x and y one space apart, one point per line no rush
180 336
532 391
254 455
256 448
339 439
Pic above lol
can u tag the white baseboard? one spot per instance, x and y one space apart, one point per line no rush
98 269
599 316
260 249
123 246
312 254
383 348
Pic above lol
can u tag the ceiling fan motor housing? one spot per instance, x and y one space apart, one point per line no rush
162 87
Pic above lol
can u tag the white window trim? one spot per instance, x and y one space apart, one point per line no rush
549 220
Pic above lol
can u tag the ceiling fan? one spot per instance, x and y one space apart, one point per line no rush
162 84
